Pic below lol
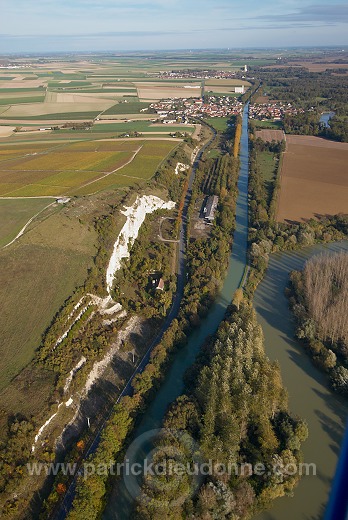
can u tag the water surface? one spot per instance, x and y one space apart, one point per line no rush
309 395
121 503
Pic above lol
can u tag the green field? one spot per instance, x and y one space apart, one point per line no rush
132 107
16 101
141 168
66 116
14 214
68 168
138 126
17 90
267 164
69 84
219 123
274 125
31 288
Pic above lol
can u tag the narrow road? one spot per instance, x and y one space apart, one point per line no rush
64 507
26 225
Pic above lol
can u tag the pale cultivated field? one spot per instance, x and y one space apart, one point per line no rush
314 179
69 97
321 67
6 131
35 83
270 135
312 67
153 91
227 82
37 109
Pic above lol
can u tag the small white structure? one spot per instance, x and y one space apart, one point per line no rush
63 200
239 90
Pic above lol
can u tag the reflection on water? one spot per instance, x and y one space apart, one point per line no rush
309 395
325 118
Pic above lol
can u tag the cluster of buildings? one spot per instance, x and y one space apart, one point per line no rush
209 208
181 110
198 74
275 110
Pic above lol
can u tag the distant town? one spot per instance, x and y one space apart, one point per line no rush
199 74
175 110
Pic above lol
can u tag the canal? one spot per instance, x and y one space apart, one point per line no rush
309 395
121 501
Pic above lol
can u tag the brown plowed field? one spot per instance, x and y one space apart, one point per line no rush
314 179
270 135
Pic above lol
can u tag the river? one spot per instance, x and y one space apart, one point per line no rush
121 502
325 118
309 395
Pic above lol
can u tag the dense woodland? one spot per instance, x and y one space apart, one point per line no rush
235 410
318 297
314 91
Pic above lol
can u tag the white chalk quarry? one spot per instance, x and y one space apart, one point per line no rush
181 167
73 372
135 217
106 306
39 433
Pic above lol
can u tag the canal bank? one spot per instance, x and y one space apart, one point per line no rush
309 394
123 496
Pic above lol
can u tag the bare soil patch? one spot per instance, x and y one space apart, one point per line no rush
314 179
6 131
270 135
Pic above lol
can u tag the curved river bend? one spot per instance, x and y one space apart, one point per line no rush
309 396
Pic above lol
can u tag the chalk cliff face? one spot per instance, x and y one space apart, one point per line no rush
106 306
135 217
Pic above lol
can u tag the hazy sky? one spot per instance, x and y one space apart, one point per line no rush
82 25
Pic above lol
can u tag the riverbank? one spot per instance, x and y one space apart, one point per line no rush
309 395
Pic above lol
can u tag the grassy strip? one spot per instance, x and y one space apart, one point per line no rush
17 101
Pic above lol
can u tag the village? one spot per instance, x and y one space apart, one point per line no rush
274 110
200 74
181 110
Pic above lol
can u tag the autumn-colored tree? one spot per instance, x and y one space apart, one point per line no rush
61 488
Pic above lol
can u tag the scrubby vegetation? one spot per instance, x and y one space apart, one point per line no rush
318 297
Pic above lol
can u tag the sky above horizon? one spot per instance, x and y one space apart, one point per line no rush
97 25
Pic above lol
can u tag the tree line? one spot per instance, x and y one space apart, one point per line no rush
318 298
235 412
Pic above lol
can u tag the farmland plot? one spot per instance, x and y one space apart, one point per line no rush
314 179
